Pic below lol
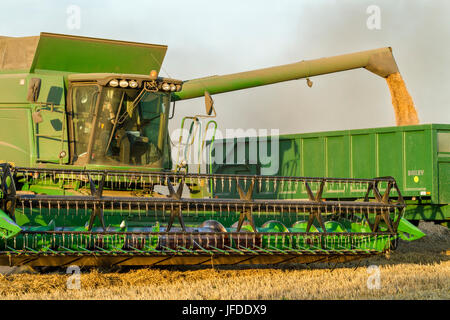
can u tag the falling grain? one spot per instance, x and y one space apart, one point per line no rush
405 112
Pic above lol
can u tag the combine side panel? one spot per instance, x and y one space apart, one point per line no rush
52 132
32 131
16 139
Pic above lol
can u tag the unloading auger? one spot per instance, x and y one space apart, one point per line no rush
88 179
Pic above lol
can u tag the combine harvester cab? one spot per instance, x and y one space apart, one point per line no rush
81 181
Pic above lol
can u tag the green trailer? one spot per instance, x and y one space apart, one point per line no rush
418 157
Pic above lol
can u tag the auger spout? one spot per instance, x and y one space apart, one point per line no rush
379 61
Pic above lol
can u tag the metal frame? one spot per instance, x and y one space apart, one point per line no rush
191 244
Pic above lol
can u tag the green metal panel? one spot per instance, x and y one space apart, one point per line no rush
418 167
362 155
337 162
426 211
444 142
13 88
337 156
51 133
289 164
64 53
15 136
46 136
80 54
417 157
313 157
52 89
444 182
389 154
443 149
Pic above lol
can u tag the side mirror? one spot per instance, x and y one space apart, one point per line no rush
209 103
33 89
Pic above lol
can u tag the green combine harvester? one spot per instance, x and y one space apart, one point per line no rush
87 175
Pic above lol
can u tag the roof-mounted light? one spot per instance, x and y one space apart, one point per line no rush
133 84
123 83
114 83
165 86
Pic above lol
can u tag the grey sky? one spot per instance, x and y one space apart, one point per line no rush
207 38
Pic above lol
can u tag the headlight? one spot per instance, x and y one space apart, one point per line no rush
123 83
133 84
173 87
165 86
114 83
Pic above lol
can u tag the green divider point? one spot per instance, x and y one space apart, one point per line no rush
8 228
409 232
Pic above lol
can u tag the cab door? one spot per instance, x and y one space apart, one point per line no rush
50 122
50 133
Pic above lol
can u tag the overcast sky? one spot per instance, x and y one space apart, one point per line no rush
208 38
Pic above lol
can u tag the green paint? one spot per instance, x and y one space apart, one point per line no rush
8 228
63 53
407 231
401 152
